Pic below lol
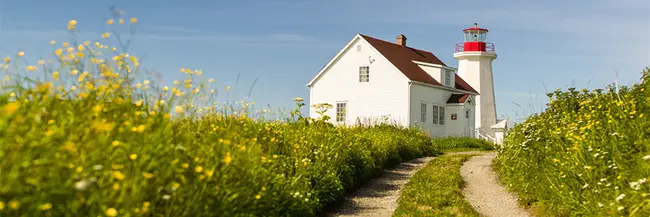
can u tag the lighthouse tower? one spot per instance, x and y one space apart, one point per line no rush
475 58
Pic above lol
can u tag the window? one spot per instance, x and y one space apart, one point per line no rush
364 74
467 113
438 115
435 114
423 112
442 115
341 112
448 74
358 47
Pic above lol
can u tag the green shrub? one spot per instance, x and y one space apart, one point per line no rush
587 154
92 138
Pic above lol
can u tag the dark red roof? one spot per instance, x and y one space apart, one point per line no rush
458 98
402 57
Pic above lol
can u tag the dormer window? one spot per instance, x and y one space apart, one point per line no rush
448 77
364 74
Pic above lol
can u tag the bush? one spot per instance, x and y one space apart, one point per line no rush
587 154
461 143
91 138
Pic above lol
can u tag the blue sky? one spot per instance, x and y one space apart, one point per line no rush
542 45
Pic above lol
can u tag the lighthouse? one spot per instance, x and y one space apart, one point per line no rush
475 58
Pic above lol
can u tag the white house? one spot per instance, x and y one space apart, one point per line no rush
371 78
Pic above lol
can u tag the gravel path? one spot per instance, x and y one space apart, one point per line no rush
483 191
379 196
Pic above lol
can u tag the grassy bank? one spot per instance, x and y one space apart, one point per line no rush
435 190
455 144
94 137
587 154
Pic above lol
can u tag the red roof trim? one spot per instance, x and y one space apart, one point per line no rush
402 58
475 28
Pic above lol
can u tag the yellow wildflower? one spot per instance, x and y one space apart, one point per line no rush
53 42
141 128
7 59
133 156
198 169
106 35
118 175
209 173
2 205
10 108
121 21
257 197
14 204
116 186
134 20
20 54
109 21
112 212
115 143
185 165
147 175
227 159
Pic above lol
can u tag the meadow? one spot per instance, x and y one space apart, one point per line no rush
93 136
587 154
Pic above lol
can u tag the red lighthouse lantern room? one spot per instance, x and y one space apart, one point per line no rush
475 40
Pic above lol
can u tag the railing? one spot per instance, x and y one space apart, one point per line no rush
489 47
484 136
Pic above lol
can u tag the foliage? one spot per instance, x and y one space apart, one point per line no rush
450 144
92 137
435 190
587 154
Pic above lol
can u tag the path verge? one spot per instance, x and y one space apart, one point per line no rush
435 190
379 196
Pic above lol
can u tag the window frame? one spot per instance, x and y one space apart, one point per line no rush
423 112
448 74
434 110
341 118
361 73
441 116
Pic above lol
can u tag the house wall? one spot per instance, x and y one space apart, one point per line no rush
462 126
435 96
430 96
435 72
385 94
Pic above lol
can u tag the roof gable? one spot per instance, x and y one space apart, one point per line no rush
458 98
402 58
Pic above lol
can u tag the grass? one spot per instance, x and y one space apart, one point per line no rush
455 144
435 190
92 136
587 154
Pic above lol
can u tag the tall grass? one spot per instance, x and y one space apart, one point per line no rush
587 154
93 137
